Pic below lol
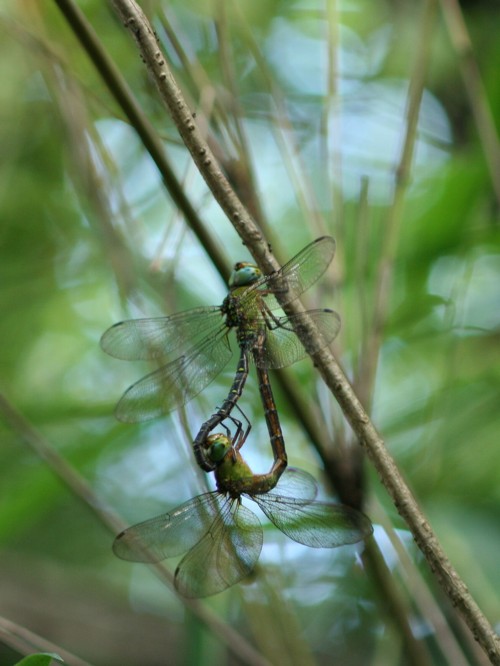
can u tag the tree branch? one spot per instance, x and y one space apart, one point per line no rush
135 20
132 109
25 642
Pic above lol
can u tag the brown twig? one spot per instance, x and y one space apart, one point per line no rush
135 20
26 642
383 288
131 107
474 88
392 225
81 489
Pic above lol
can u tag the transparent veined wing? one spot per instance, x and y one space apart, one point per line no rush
176 383
282 347
294 483
297 275
315 524
169 534
225 554
156 338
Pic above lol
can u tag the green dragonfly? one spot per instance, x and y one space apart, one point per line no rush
204 450
222 538
209 462
198 339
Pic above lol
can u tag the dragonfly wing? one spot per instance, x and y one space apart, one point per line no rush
171 533
226 553
282 347
315 524
294 483
150 339
298 274
174 384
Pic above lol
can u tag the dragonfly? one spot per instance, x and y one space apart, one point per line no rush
202 445
221 538
198 343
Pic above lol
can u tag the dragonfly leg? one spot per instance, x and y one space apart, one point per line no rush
272 321
240 437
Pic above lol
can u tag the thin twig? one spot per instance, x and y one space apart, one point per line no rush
135 20
474 88
243 167
283 133
331 121
372 331
418 590
227 136
131 107
26 642
392 225
82 490
395 605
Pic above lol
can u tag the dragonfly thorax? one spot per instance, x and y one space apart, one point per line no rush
231 472
247 318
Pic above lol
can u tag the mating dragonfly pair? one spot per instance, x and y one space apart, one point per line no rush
222 538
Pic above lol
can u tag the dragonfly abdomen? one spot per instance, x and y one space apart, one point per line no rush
272 420
224 411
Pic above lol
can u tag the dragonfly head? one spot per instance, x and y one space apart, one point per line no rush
218 446
244 274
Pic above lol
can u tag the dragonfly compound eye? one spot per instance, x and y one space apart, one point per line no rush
218 446
244 274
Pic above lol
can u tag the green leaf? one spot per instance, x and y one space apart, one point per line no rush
40 659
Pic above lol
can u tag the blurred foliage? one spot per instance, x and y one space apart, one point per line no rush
89 236
40 660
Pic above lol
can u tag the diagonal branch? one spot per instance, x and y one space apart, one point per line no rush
475 89
135 20
26 642
135 115
82 490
